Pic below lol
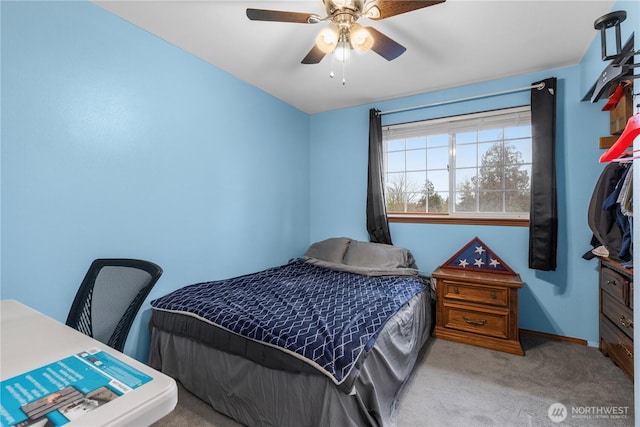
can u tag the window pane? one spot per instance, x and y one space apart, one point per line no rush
395 197
517 132
490 135
439 180
466 137
466 155
466 201
415 202
416 180
523 147
395 145
438 158
420 142
518 178
438 202
491 178
490 201
416 160
441 140
395 161
466 178
490 153
517 201
394 182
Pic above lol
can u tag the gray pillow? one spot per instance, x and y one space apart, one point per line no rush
331 250
377 255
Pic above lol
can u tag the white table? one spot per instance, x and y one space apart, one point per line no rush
31 340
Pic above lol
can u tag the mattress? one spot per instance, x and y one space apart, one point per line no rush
256 395
299 317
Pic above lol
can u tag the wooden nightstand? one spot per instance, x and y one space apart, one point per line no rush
478 308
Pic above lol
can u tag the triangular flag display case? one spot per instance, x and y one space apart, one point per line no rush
476 256
477 299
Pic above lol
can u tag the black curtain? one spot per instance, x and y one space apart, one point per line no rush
543 218
377 224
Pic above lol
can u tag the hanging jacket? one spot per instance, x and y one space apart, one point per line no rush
602 221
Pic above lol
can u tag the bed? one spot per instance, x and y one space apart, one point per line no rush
324 340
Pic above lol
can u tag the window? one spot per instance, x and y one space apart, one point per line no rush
470 166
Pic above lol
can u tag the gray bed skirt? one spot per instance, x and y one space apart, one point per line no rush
255 395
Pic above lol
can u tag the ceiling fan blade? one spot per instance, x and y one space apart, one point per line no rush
314 56
387 8
280 16
384 46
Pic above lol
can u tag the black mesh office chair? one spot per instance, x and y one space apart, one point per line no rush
109 298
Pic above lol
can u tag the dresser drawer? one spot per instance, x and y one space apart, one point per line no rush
492 323
615 284
616 345
620 315
481 294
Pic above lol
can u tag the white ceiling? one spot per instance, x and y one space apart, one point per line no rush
450 44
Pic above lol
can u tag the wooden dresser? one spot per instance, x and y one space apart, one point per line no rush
616 314
478 308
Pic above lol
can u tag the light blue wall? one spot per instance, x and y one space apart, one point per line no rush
564 302
117 144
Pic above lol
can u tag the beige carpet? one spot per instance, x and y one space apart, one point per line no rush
459 385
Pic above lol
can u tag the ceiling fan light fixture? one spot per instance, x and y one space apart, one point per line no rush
361 39
342 52
341 4
327 40
373 13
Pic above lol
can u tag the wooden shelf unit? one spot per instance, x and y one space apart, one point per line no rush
616 314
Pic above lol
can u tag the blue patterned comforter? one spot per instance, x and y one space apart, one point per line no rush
325 317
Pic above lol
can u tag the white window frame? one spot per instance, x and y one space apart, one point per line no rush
474 121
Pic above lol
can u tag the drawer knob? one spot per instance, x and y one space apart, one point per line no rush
474 322
493 295
612 283
456 290
626 350
627 323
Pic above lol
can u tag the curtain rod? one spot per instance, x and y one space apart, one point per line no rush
538 86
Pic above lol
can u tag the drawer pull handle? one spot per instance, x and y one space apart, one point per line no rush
627 323
626 350
612 283
456 290
493 295
473 322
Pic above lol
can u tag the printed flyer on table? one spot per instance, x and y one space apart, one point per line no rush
63 391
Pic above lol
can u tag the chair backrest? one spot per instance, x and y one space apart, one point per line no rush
110 296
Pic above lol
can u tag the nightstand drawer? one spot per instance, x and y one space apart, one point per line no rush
475 293
484 322
616 345
620 315
615 284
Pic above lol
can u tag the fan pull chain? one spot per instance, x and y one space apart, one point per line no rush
344 80
344 68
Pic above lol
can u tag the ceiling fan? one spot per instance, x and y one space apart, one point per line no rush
344 33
